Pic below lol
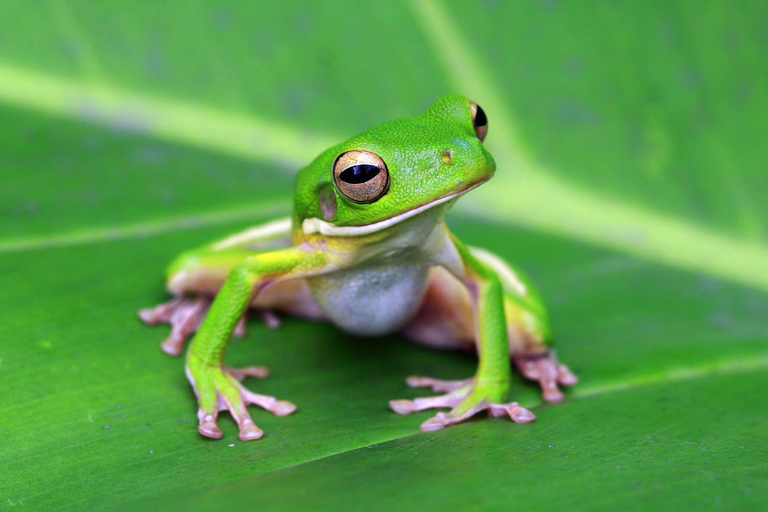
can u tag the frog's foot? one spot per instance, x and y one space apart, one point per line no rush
545 369
219 389
463 397
184 315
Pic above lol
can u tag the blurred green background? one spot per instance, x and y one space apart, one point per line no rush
631 186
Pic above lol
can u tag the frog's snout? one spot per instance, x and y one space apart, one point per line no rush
483 169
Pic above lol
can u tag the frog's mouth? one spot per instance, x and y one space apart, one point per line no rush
314 225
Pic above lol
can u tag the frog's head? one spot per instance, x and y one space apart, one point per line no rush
395 170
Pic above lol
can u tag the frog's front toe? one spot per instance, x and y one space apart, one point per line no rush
219 389
549 373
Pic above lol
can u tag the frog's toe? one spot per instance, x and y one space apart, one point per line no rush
437 385
565 376
516 413
248 431
446 419
549 373
237 408
432 402
260 372
269 403
220 389
207 426
241 328
270 319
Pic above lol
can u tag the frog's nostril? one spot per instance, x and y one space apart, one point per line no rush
446 156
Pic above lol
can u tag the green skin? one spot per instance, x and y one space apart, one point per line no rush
312 265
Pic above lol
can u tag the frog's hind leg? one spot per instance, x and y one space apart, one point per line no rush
184 315
530 336
194 292
445 320
196 277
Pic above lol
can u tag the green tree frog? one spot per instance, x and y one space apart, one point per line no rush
367 249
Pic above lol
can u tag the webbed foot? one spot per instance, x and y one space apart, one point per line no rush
185 315
219 389
464 397
549 373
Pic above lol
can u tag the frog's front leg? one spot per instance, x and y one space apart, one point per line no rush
217 387
490 385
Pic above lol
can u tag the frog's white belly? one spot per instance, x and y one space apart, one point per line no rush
371 300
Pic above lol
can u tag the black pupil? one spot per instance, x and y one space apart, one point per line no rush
480 119
359 173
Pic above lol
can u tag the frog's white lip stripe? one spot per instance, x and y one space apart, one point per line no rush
314 225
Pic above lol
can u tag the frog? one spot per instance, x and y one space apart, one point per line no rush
367 248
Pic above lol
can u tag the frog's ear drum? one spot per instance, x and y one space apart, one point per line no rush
479 120
361 176
328 205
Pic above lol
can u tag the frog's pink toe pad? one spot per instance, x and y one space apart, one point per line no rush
250 432
436 422
513 410
282 408
402 406
208 428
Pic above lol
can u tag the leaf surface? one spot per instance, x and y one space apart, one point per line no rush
630 187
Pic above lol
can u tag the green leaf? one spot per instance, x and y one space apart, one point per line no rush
631 186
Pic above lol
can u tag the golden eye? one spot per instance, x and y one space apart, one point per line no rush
479 120
361 176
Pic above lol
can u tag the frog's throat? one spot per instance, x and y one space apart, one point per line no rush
314 225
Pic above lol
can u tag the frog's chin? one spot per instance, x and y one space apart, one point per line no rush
313 225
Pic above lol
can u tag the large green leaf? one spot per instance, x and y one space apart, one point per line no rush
631 186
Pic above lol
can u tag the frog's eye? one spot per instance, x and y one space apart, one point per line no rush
361 176
479 120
